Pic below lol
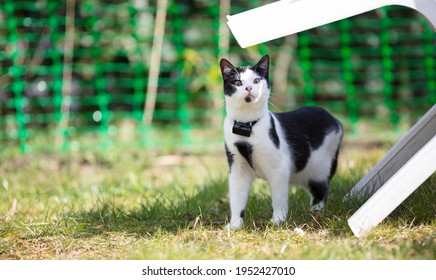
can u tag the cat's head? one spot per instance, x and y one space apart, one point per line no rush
246 87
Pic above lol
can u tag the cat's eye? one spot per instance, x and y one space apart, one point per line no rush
256 81
237 83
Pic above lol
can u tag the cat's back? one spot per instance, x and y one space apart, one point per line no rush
312 121
306 130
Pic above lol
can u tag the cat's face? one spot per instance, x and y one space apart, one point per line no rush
246 86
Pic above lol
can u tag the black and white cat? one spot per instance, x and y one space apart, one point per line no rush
299 147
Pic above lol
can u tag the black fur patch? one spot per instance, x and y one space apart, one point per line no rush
334 165
319 191
242 215
230 74
273 133
305 130
229 87
230 156
246 150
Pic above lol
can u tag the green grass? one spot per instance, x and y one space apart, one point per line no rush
143 204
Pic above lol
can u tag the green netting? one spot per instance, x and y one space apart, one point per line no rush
378 66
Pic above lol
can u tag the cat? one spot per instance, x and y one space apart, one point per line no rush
298 147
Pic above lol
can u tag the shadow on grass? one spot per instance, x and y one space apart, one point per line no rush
209 208
164 213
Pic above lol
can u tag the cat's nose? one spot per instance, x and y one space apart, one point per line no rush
248 88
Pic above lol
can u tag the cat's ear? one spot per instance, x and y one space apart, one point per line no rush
262 67
226 68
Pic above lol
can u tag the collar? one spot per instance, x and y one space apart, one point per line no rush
243 128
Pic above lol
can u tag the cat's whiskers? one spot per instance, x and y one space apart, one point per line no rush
222 103
272 105
272 98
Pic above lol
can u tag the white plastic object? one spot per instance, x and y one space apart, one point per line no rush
411 175
287 17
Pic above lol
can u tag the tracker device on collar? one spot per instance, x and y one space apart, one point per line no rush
243 129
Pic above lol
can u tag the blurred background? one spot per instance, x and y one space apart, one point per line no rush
80 74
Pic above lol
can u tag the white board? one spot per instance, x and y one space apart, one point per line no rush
395 158
410 176
287 17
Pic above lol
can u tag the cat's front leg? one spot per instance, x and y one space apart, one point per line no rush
239 187
279 186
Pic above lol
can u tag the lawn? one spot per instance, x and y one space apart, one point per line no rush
131 203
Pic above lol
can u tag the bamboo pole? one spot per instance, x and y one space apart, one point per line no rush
67 72
155 60
223 51
224 32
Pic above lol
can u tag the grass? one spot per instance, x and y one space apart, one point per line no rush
144 204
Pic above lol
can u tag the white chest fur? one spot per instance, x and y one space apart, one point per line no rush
265 156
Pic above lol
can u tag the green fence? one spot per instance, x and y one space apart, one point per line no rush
378 66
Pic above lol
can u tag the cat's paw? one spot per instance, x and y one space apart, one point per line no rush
279 216
235 225
278 220
317 207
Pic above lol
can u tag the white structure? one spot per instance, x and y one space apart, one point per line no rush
413 159
286 17
403 169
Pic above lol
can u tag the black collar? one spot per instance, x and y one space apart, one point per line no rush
243 128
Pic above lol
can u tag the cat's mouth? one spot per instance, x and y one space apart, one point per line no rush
249 98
